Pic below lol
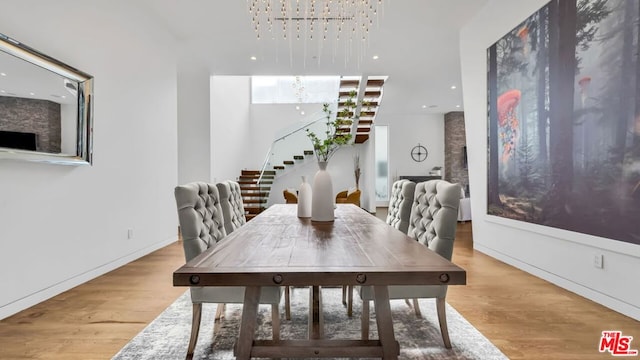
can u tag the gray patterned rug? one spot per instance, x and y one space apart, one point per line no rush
168 335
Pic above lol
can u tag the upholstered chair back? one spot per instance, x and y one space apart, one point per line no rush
400 202
231 204
434 215
200 217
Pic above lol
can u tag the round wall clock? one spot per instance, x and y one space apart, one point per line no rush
419 153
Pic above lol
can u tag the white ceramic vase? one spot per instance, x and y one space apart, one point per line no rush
304 199
322 204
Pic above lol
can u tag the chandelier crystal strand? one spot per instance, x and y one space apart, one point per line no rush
346 23
304 40
290 35
275 38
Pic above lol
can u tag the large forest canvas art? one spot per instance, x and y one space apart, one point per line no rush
564 119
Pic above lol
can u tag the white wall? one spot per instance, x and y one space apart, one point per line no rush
194 142
230 126
342 171
340 167
367 177
271 121
562 257
241 134
405 132
61 225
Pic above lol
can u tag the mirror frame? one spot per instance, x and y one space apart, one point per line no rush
84 134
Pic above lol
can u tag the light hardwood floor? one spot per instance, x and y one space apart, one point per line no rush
527 318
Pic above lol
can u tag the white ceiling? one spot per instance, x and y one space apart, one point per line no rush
416 41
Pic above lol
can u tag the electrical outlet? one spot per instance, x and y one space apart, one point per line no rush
130 234
598 261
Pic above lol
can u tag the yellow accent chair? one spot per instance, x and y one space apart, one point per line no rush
290 196
351 196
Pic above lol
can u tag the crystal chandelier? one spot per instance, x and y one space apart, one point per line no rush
340 25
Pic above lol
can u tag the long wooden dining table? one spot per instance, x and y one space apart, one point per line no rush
277 248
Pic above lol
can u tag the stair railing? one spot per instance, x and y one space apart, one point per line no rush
320 117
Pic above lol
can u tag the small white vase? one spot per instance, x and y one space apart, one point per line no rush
322 204
304 199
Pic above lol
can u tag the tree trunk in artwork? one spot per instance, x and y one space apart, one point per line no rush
636 118
494 157
626 86
542 63
562 67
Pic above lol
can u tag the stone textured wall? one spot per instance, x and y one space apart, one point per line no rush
455 169
41 117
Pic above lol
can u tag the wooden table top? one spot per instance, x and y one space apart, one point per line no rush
278 248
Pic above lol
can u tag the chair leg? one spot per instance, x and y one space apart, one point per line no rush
287 303
344 294
217 325
347 298
220 311
195 328
275 321
416 307
217 322
442 318
350 300
364 320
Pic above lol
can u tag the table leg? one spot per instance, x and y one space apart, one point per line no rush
316 320
364 320
390 347
350 301
249 322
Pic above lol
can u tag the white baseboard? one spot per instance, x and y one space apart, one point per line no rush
591 294
53 290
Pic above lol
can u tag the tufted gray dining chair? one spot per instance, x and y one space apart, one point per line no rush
433 222
231 204
400 202
202 226
399 211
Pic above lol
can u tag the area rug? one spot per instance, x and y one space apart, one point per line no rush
166 338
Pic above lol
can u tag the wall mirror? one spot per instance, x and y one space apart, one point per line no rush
46 107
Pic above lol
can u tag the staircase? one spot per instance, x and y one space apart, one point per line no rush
369 93
254 195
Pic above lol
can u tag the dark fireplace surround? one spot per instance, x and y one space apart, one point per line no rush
31 116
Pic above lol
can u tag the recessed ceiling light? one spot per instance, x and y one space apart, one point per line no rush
2 91
457 106
3 74
424 106
375 57
254 58
297 107
31 93
453 87
301 112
